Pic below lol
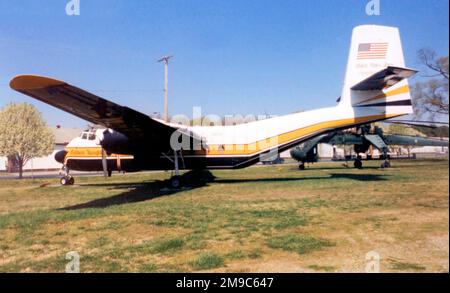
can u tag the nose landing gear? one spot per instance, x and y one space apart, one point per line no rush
66 179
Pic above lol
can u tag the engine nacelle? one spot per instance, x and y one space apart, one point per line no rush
115 142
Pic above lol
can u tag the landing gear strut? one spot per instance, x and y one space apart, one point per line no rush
386 163
175 181
358 162
301 166
66 179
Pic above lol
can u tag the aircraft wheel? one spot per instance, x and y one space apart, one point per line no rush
67 180
63 181
175 182
301 167
358 164
386 165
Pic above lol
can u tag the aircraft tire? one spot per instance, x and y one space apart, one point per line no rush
301 167
67 180
358 164
175 182
385 165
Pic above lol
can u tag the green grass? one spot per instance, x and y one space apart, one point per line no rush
405 266
299 243
207 261
239 254
249 219
168 245
148 268
99 242
318 268
159 246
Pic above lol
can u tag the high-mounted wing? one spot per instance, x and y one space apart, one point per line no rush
384 78
138 127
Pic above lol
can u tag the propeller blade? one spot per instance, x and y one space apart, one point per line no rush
104 163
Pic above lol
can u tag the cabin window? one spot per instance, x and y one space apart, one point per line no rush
84 136
91 136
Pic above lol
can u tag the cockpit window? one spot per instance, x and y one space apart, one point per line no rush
88 135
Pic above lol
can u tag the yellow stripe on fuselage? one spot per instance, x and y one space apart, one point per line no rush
282 139
90 152
401 90
242 149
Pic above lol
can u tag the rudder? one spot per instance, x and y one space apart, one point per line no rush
376 77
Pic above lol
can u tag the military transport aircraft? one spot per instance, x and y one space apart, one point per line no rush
375 88
362 139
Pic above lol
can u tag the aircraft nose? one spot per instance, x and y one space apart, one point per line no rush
60 156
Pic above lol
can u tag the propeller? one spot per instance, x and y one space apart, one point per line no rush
104 163
104 155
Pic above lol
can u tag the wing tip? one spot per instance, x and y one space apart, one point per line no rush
30 82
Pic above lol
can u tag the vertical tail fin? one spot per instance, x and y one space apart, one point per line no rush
376 75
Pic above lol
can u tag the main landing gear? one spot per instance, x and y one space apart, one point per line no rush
301 166
358 162
386 163
175 181
66 179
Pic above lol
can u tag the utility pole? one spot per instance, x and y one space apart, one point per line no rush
165 59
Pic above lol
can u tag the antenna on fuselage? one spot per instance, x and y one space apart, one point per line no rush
165 59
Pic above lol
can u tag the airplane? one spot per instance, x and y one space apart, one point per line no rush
363 139
375 88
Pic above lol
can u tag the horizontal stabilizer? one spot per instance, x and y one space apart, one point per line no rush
384 78
377 141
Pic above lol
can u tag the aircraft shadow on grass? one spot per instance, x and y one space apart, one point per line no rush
145 190
341 167
148 190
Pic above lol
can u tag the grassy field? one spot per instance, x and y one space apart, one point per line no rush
260 219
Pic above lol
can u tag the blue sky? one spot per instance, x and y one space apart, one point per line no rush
231 57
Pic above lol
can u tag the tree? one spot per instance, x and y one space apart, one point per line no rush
431 95
401 129
24 134
441 131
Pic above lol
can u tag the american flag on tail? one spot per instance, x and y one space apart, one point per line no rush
372 51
